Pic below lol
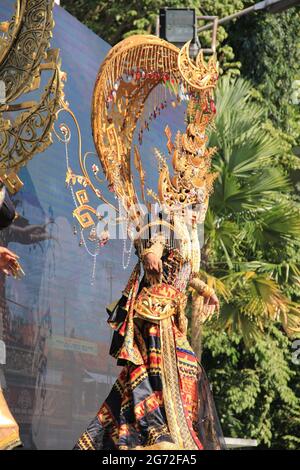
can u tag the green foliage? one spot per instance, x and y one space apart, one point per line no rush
223 8
254 388
270 58
268 48
115 20
252 246
251 228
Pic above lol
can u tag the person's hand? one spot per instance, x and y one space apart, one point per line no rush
8 261
153 267
213 300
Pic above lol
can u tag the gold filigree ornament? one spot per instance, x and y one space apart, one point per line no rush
24 55
25 126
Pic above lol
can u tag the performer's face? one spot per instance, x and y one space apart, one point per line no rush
192 214
196 213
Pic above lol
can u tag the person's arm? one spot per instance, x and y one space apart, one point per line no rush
8 259
151 258
205 291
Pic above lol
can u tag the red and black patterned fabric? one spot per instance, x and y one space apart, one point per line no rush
133 415
161 399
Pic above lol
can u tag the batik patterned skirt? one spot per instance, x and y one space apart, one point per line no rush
163 402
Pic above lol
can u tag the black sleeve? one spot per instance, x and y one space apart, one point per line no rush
7 212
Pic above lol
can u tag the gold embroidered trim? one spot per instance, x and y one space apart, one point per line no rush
176 418
159 302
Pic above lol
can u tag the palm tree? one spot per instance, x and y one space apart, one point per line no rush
253 224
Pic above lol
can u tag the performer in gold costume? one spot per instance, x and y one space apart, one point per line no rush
161 399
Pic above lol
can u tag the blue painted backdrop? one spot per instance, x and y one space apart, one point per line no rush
58 369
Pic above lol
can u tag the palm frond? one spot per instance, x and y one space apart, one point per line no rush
260 299
232 320
251 216
278 223
234 194
217 284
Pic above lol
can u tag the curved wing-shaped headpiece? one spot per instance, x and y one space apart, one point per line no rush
131 70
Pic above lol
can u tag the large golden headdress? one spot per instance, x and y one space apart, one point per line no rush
118 104
130 72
